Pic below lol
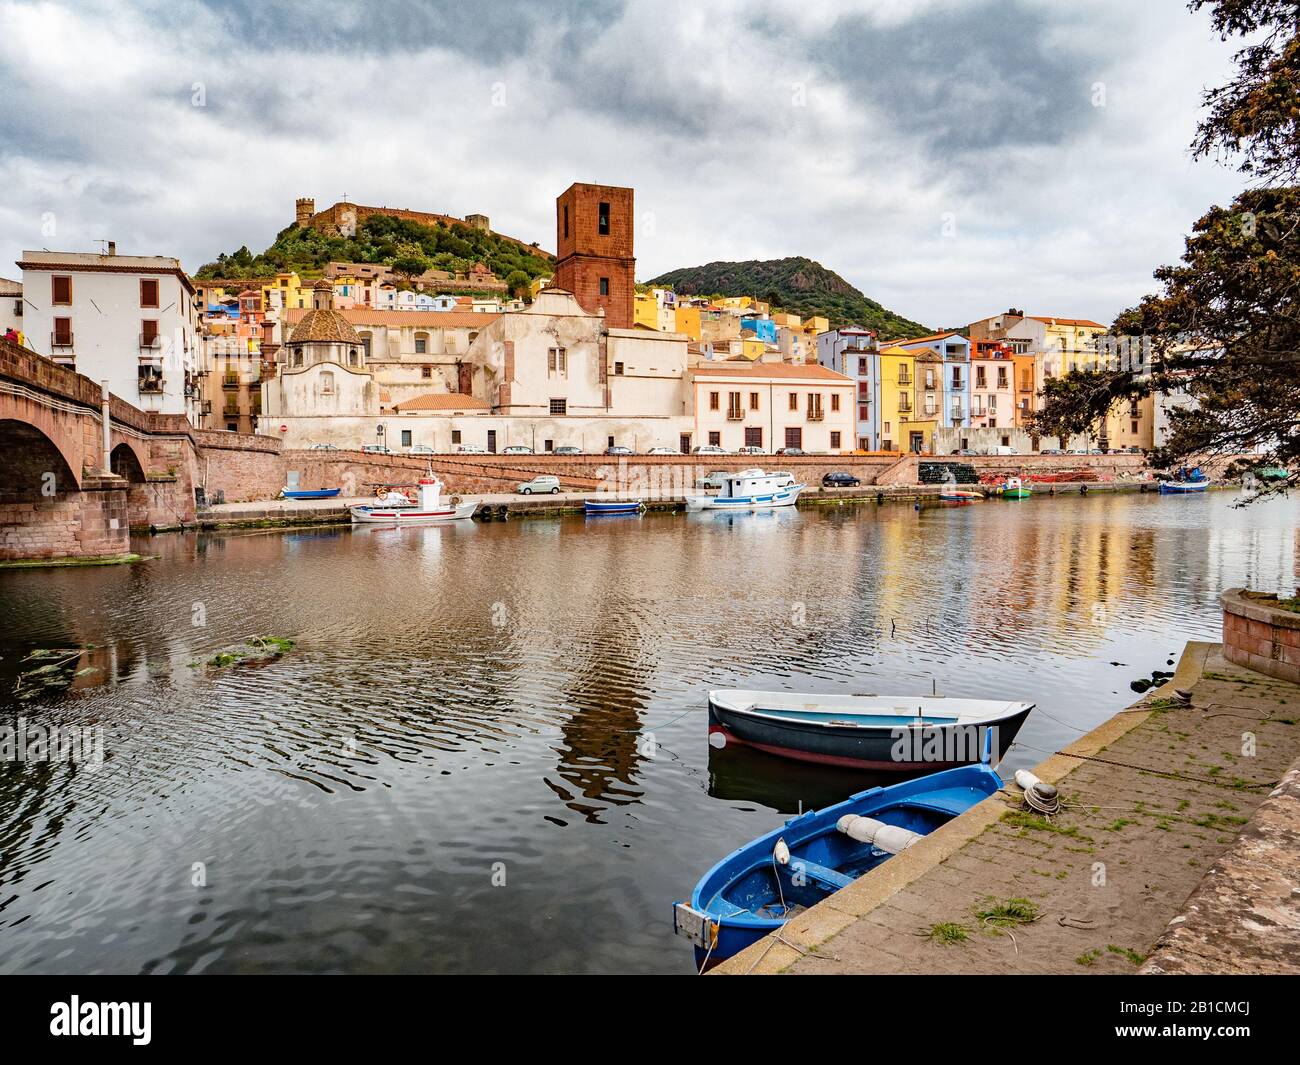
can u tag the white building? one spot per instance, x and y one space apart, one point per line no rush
129 320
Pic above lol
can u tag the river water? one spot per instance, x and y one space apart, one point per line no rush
487 750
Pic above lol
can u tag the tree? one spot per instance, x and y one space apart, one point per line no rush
1221 341
409 261
518 283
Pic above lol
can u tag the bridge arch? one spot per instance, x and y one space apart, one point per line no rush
35 469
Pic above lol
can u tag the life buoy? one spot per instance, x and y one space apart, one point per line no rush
455 501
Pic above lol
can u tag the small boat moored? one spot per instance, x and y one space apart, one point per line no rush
612 506
749 490
1184 483
1014 488
302 493
428 508
888 733
962 496
760 886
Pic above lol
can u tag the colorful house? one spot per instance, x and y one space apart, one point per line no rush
954 349
992 389
852 352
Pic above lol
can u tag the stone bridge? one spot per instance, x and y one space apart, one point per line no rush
66 491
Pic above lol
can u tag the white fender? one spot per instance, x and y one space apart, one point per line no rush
890 838
781 852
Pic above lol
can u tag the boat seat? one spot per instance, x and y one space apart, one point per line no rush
947 800
818 874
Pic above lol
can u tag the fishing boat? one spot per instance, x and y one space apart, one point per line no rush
1185 483
429 507
961 496
1014 488
750 490
316 493
894 733
756 889
612 506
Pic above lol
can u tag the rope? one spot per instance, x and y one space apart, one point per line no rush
1148 769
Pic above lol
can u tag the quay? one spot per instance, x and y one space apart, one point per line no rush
1177 849
502 505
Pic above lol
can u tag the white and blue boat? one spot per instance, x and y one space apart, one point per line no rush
1185 483
754 890
750 490
314 493
612 506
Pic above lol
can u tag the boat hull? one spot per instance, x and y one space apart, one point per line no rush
319 493
1180 488
747 895
1016 493
785 497
366 515
897 746
622 507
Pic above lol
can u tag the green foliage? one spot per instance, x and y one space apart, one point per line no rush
408 247
797 285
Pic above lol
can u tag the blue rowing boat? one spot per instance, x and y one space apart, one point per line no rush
315 493
756 889
620 506
1179 488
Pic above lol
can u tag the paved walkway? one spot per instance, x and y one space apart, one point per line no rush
1156 798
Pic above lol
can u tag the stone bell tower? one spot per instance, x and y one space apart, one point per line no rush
594 250
304 208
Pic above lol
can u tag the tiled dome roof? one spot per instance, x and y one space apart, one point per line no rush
327 325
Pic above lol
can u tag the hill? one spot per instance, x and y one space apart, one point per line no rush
406 246
798 285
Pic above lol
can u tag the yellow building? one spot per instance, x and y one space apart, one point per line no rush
645 310
902 427
688 322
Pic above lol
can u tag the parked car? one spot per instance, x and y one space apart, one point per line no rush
840 479
543 482
321 447
470 449
965 451
708 449
750 450
1003 449
567 449
791 451
420 449
376 449
517 449
619 449
662 451
1051 451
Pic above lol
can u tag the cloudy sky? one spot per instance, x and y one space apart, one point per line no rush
951 158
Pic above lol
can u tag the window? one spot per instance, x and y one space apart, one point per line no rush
566 219
864 413
733 406
557 361
618 369
1002 377
426 372
604 286
149 332
715 438
63 332
61 291
835 401
421 343
753 401
1133 427
559 406
406 438
148 292
455 436
753 436
327 383
602 223
548 445
794 400
794 437
713 401
835 440
862 367
353 356
979 376
815 406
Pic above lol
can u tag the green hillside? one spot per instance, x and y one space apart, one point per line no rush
407 247
798 285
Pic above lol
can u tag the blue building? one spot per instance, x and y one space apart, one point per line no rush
852 351
764 328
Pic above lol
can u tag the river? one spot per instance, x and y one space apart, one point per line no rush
487 750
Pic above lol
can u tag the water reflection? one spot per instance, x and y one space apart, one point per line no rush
529 696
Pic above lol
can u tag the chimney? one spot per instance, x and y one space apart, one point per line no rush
112 247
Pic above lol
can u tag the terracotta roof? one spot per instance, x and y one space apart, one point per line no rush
324 325
442 401
806 372
361 316
1068 321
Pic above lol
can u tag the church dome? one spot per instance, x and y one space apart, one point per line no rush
325 324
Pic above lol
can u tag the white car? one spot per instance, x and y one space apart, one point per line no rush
321 447
470 449
750 450
420 449
662 451
708 449
517 449
544 482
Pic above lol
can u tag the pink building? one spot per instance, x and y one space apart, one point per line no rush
992 385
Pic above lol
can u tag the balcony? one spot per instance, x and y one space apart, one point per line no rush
150 386
735 414
150 341
231 410
230 382
816 415
60 340
904 378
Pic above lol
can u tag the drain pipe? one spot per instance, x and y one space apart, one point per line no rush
108 444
